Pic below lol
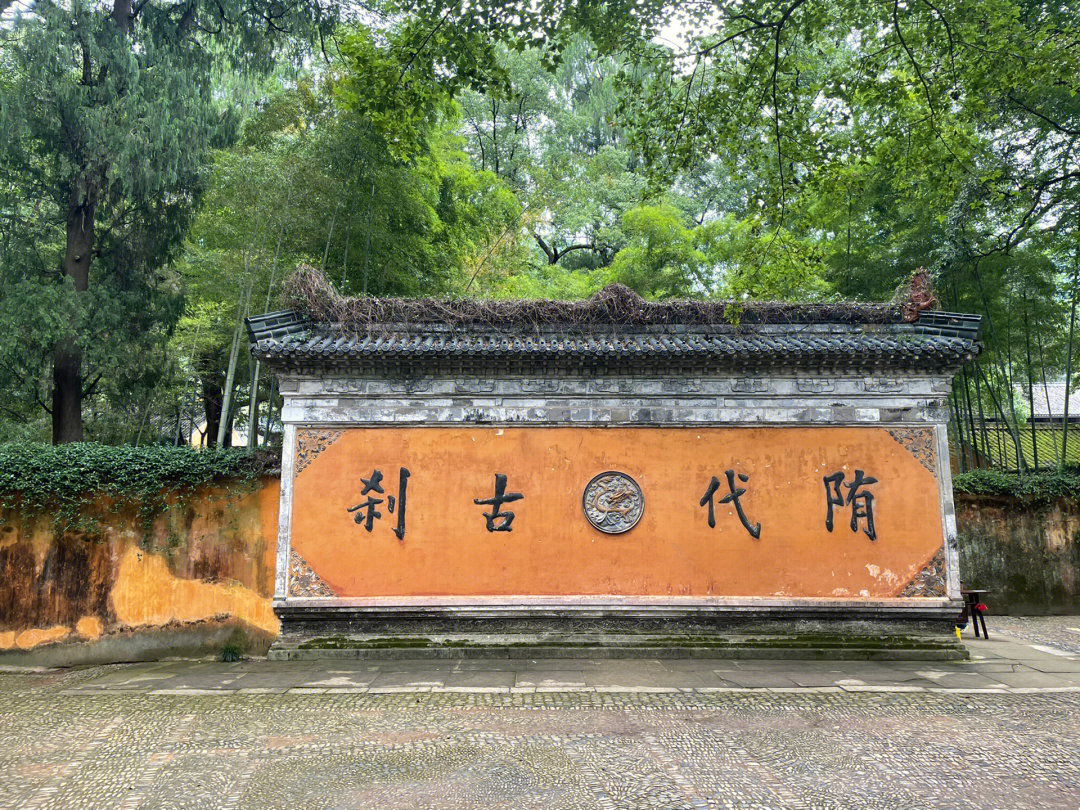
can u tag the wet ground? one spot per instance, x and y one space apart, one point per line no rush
998 731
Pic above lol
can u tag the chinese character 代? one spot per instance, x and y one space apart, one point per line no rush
733 496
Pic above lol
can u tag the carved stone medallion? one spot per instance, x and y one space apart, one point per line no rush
613 502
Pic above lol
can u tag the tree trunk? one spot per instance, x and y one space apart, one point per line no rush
210 383
253 399
1046 388
958 428
269 413
367 243
1031 386
552 254
121 15
253 408
67 423
972 432
1010 381
1068 360
329 237
230 375
228 415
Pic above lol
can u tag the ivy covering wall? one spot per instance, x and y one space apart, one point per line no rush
66 480
1031 488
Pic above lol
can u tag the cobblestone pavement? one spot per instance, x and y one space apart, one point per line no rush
999 731
1061 632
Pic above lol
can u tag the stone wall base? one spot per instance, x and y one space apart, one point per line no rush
348 632
907 618
204 639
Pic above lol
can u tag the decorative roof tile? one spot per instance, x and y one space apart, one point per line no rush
415 348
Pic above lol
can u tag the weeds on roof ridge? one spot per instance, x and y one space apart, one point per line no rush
308 292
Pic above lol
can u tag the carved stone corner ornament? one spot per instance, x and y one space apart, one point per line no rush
613 502
919 441
310 442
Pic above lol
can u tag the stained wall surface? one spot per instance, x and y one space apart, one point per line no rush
207 571
204 572
551 549
1026 555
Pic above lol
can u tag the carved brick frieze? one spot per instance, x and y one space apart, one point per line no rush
310 442
540 385
930 581
303 581
749 385
920 442
472 385
811 385
411 385
883 385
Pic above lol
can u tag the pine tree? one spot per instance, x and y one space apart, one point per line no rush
107 115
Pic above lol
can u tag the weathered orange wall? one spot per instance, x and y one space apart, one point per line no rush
207 562
552 549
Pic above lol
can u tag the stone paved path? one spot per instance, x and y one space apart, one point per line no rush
999 731
1061 632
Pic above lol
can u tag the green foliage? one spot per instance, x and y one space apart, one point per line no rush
661 260
554 138
994 444
1038 487
399 90
316 180
750 260
726 258
107 115
233 649
313 180
545 281
790 150
69 481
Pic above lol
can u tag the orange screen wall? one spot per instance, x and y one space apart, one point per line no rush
552 549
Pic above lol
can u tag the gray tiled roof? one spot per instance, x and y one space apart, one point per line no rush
1050 399
857 347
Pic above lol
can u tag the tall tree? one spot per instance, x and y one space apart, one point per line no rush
104 130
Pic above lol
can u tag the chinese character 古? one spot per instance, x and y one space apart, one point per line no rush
860 500
733 496
501 497
367 514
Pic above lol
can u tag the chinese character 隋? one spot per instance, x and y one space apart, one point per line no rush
860 500
501 497
367 514
733 496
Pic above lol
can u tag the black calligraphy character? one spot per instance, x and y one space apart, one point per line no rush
501 497
861 501
833 496
707 498
366 513
733 496
373 483
403 482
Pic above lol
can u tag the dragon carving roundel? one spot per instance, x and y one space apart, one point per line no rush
613 502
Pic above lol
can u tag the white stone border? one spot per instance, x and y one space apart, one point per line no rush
839 400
